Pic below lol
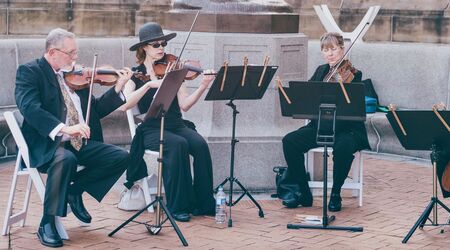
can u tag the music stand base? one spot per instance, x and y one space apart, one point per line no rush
325 226
154 229
424 217
244 193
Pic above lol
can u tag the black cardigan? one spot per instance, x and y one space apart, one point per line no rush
357 128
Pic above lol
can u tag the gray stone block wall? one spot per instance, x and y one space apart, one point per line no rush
260 126
409 75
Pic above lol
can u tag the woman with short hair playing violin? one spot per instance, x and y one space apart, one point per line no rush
350 136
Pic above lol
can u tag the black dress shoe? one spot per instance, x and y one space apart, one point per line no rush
181 217
304 199
48 235
335 204
78 209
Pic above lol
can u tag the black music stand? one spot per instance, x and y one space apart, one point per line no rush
161 102
424 131
325 102
228 86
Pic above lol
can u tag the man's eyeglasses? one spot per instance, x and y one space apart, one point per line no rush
156 45
70 53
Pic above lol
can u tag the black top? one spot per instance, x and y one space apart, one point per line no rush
357 128
173 117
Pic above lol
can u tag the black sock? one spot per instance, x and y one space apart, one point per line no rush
75 190
46 218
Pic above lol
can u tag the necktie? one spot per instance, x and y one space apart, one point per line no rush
72 114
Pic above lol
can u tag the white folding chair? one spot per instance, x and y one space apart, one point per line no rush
149 187
14 121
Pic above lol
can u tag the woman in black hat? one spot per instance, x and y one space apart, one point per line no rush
184 196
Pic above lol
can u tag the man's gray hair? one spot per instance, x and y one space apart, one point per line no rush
56 37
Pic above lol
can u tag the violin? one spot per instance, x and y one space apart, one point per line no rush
80 77
445 181
345 72
160 67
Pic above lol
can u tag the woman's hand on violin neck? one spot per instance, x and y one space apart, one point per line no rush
154 84
80 129
207 79
124 74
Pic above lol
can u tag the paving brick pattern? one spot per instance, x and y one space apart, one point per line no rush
395 194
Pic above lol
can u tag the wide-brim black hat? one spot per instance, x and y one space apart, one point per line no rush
151 32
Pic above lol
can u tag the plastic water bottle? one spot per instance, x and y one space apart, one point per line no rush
221 214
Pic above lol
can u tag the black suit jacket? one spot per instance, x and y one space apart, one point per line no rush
356 128
39 99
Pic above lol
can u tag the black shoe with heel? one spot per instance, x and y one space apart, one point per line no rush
304 199
335 204
181 217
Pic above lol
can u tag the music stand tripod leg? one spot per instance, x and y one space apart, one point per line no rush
155 229
132 218
420 221
246 192
231 178
433 203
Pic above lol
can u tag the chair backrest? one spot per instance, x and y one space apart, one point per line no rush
14 119
130 117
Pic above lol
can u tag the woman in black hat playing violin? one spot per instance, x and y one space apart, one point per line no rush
184 196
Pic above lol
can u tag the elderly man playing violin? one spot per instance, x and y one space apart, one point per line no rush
183 195
350 136
59 139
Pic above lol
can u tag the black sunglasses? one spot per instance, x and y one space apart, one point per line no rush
156 45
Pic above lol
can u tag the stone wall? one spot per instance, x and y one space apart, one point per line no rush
84 17
398 21
260 126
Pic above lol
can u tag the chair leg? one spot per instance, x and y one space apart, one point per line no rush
7 222
147 195
61 231
26 200
361 178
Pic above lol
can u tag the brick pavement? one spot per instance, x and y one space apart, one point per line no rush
396 191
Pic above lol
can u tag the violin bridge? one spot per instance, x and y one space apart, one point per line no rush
266 62
244 74
225 65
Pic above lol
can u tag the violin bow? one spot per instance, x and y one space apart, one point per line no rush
187 38
345 54
91 87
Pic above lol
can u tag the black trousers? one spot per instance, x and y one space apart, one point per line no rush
183 194
297 143
104 164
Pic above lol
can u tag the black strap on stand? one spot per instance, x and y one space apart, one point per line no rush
324 102
159 106
423 130
239 83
